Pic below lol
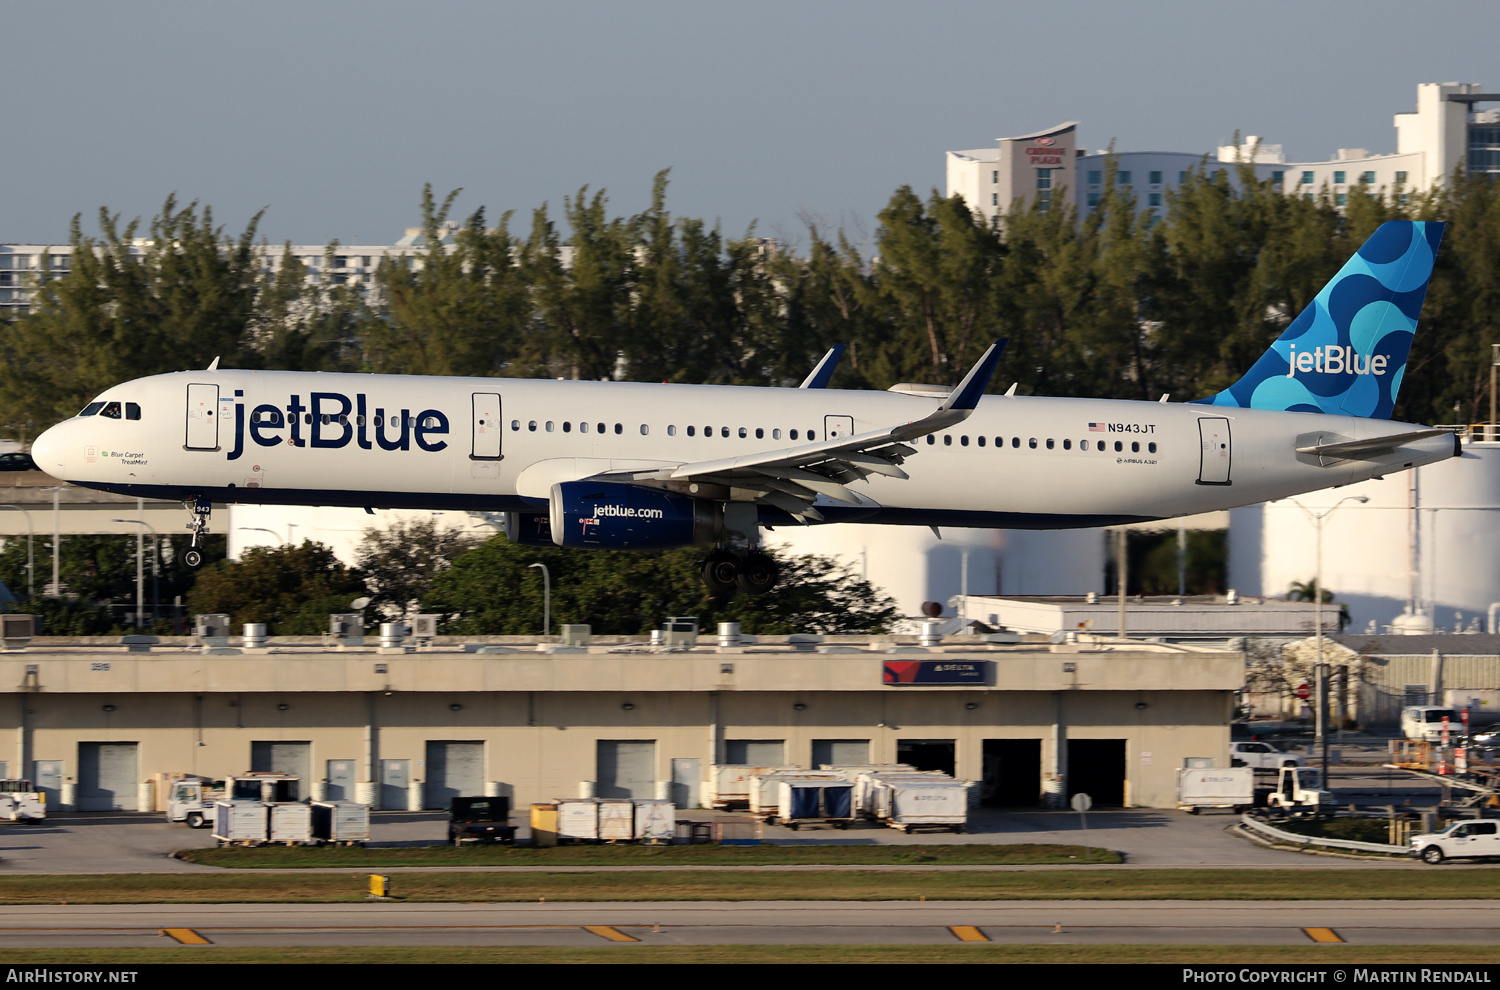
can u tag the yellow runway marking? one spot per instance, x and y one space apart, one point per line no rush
968 933
609 932
186 936
1322 934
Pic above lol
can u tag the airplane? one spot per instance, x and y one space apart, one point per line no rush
624 465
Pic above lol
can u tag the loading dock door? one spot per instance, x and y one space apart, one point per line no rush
840 752
340 780
927 754
107 777
294 758
202 417
626 768
395 779
686 775
1096 767
1012 773
755 752
454 769
486 437
1213 464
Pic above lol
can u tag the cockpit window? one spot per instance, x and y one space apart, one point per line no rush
111 410
132 410
92 409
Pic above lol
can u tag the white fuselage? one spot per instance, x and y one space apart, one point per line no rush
499 444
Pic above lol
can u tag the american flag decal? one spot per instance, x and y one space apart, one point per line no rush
1096 427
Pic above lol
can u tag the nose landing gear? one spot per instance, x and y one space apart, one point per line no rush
726 572
201 509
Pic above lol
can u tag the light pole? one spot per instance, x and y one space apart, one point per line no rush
30 556
56 589
546 599
1321 708
140 609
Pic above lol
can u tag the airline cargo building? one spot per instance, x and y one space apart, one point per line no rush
404 729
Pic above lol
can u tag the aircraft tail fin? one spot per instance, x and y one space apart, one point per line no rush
1346 352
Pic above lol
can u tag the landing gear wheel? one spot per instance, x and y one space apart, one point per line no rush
192 558
1432 855
758 574
720 572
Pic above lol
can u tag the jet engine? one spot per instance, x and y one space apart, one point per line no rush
528 529
614 516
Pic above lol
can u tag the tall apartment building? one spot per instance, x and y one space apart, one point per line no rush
1446 129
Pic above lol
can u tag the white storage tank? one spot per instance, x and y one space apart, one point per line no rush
1366 556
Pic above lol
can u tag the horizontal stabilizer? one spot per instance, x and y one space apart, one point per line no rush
1354 449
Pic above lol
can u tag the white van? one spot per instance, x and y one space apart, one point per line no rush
1425 722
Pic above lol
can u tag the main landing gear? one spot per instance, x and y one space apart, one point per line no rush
201 509
726 572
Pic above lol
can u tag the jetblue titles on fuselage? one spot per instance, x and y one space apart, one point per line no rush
332 420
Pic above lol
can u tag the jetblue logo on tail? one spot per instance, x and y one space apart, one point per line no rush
1346 352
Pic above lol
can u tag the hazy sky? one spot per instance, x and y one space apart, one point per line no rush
332 115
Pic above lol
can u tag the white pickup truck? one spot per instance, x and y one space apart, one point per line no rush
1261 756
1473 838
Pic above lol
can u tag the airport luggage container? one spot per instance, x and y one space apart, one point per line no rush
655 821
240 823
341 823
616 819
814 802
578 819
765 798
290 823
21 803
1215 787
729 783
928 804
866 783
851 771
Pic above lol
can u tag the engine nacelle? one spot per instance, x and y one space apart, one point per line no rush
612 516
529 529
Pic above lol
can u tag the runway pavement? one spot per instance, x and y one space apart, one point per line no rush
1456 923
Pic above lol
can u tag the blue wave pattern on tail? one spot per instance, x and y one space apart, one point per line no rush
1346 353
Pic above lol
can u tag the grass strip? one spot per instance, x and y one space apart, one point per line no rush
1017 854
767 885
1045 953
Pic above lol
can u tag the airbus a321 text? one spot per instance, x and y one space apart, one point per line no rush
615 465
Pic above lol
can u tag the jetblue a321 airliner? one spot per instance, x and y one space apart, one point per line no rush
616 465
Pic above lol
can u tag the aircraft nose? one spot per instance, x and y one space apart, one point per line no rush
47 450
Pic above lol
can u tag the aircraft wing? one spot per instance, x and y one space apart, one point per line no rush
791 478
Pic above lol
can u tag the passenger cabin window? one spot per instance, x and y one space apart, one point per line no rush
567 427
619 428
671 431
515 424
